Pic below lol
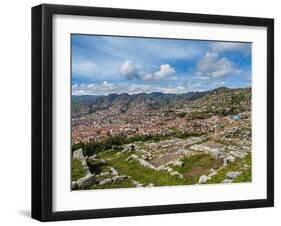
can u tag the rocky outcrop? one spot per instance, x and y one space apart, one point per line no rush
92 158
86 181
128 148
177 163
78 154
141 161
119 178
106 181
177 174
113 171
212 172
137 183
227 181
232 175
228 159
74 185
203 179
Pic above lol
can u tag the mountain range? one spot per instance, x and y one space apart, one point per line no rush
220 97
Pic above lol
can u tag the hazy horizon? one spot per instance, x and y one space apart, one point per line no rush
249 87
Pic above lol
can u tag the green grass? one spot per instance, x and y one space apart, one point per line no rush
145 175
121 184
93 147
195 166
246 176
237 165
77 170
108 154
137 172
159 178
96 166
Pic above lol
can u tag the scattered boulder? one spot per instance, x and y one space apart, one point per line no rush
144 163
150 185
146 157
137 184
178 163
132 157
216 154
114 172
168 169
74 185
212 172
129 148
103 161
119 178
177 174
232 175
86 181
106 181
228 159
92 158
78 154
184 152
203 179
161 168
227 181
116 147
141 161
238 154
103 174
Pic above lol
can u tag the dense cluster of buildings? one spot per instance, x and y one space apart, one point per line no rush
112 122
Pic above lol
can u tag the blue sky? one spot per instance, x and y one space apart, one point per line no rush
106 64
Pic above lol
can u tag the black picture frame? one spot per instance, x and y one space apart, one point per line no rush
42 111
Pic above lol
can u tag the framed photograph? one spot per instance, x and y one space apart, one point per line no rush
145 112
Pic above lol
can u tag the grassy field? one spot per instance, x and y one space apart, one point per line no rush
77 170
139 173
245 176
193 167
121 184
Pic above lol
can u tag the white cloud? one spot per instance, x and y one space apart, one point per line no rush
165 72
244 48
129 70
97 89
211 66
106 88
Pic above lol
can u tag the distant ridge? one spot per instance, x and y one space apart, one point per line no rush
148 101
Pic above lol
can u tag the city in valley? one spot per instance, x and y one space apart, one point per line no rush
156 139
